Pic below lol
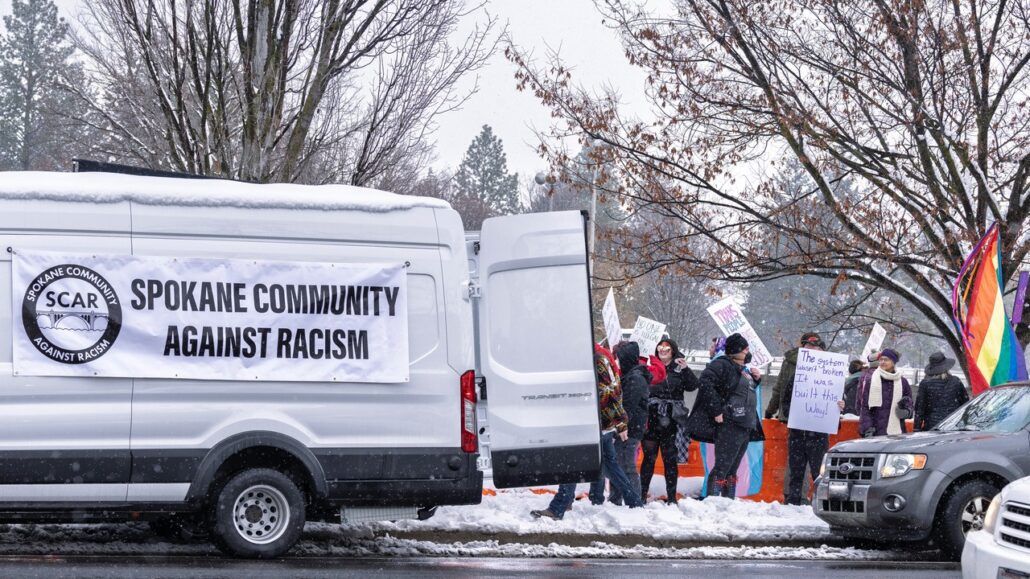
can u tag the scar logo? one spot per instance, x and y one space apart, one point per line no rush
71 314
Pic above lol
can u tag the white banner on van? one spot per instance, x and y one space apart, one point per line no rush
208 319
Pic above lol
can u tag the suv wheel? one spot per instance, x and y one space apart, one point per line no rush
963 512
258 514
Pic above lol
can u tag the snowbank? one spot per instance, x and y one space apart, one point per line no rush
325 540
712 520
114 188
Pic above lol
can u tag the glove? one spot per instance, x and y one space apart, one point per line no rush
869 433
903 413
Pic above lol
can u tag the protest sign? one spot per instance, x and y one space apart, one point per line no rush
612 327
209 319
818 385
647 333
730 318
876 336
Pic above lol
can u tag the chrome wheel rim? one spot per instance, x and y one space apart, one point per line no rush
261 514
973 514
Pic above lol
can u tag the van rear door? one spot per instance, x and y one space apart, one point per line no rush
536 349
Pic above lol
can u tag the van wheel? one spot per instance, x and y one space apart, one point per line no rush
258 514
963 512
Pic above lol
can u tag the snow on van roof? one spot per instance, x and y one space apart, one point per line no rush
115 187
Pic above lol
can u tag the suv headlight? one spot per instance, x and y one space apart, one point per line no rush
902 464
991 518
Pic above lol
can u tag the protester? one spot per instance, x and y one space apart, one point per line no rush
855 370
665 407
636 381
726 413
883 405
939 394
614 425
786 375
805 448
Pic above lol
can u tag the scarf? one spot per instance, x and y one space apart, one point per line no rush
876 396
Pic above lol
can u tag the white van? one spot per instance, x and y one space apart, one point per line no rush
104 417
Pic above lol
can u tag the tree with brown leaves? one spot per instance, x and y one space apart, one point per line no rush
921 105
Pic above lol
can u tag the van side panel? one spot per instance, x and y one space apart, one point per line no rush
360 433
61 439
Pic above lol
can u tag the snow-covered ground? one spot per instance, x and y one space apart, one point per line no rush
502 527
714 520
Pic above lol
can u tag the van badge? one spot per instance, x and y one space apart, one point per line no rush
71 314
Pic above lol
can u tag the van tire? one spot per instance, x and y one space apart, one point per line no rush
259 514
951 527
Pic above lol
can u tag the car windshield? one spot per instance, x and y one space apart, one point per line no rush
1002 410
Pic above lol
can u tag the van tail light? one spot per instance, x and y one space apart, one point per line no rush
469 437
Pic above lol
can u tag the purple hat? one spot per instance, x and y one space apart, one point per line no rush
888 353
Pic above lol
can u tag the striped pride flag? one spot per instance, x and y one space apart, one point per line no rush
992 352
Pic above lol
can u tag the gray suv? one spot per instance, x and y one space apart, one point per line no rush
929 485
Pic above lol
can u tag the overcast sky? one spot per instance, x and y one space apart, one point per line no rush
573 28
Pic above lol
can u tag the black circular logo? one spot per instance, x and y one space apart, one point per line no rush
71 314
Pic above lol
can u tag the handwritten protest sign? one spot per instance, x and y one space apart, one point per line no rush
612 327
730 318
818 385
876 336
647 333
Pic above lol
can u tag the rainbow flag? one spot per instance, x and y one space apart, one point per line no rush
992 352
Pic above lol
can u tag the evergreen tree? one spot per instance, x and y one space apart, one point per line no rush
483 175
35 61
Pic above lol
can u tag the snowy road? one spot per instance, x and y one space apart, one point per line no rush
428 568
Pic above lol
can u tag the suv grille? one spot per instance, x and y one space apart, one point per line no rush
1015 525
835 506
856 467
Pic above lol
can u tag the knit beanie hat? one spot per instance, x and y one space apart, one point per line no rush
735 344
892 354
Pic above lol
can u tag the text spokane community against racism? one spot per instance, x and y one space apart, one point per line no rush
251 341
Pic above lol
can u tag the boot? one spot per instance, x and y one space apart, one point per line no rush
731 487
718 488
545 514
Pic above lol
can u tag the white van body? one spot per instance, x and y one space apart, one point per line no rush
100 448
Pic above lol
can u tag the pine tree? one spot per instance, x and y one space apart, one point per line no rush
483 176
35 60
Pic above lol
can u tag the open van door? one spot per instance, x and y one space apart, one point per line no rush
536 349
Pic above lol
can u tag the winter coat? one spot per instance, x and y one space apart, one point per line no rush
938 397
784 381
785 384
879 418
724 389
636 381
851 393
609 392
675 383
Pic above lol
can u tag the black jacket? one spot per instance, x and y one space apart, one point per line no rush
676 383
722 387
636 381
937 398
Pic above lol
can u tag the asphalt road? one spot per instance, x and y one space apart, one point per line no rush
428 568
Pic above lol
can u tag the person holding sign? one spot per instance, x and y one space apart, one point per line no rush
806 448
726 413
884 398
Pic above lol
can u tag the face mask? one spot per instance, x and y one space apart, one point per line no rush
747 359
